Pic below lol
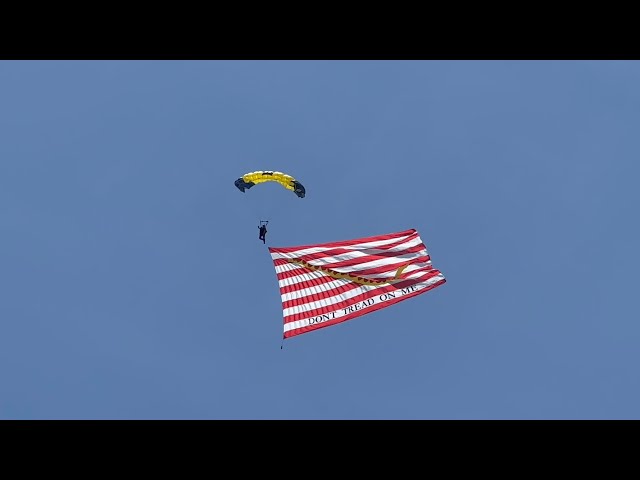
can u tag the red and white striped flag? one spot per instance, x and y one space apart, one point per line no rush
329 283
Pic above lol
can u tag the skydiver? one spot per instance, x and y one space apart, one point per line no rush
263 232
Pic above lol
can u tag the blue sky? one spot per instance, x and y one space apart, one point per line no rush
134 285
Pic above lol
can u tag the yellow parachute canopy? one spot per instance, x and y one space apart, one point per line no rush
250 179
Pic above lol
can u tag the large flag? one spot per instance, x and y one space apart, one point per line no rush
329 283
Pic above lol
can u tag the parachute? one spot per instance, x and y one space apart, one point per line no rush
250 179
329 283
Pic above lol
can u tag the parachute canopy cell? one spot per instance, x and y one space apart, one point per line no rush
250 179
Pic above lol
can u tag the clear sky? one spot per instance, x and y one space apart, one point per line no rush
133 284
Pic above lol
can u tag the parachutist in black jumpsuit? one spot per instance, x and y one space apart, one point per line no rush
263 232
